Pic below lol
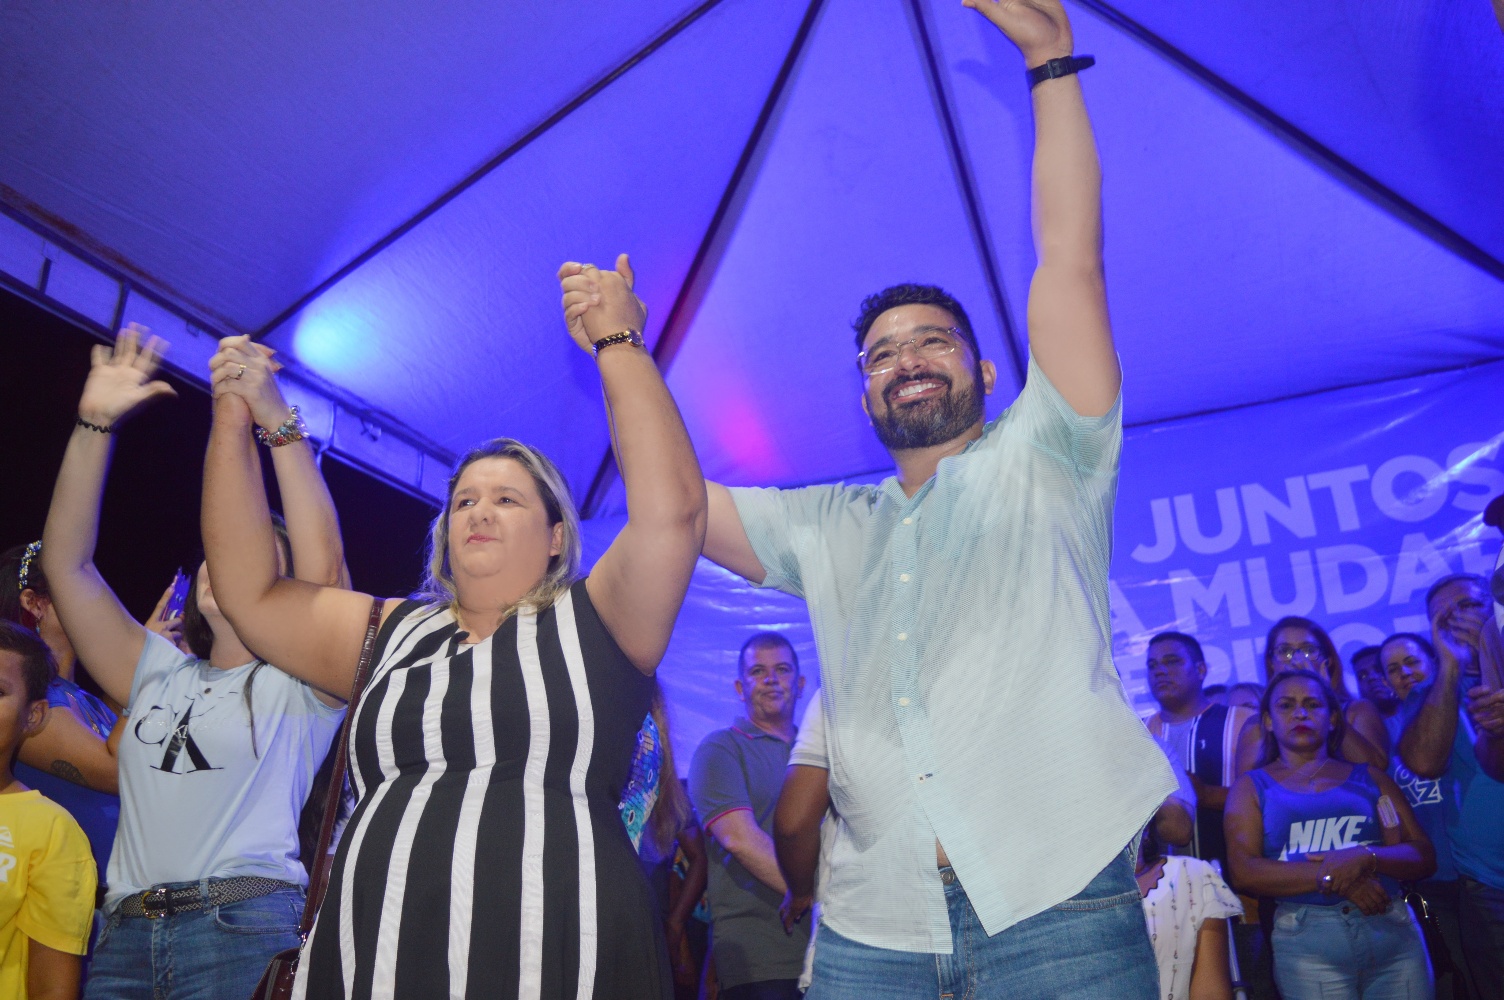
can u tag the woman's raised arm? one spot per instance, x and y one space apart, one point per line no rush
103 633
318 553
309 631
639 584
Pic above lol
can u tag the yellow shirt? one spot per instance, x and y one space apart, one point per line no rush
47 883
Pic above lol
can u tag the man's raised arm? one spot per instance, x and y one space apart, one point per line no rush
1069 334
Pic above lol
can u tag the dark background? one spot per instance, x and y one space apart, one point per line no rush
150 521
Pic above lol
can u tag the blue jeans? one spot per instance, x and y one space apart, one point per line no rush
1335 952
1093 946
217 952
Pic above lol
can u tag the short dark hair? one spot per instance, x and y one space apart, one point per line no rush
1365 651
765 640
1453 578
1188 641
1419 640
894 296
37 665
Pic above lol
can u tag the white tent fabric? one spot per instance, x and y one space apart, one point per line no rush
1300 195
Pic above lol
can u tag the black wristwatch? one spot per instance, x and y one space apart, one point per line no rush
1057 68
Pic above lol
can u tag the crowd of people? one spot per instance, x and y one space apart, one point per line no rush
967 807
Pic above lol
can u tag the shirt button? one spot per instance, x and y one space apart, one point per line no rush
903 577
903 701
908 520
903 636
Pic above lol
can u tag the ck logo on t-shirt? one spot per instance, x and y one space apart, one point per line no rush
1329 833
180 752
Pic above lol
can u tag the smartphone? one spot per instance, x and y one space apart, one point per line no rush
174 606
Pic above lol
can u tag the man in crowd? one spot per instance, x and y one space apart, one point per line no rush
1451 729
960 608
1202 737
1198 734
734 782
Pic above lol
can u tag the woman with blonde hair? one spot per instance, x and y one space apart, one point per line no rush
489 748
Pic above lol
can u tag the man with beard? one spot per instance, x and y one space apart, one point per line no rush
984 760
734 782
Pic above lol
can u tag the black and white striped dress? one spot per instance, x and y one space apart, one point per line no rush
486 856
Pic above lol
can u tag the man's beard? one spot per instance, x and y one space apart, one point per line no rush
935 421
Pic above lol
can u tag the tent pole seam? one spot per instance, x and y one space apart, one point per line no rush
671 336
481 172
965 177
1346 172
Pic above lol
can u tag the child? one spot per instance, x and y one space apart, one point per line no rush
47 877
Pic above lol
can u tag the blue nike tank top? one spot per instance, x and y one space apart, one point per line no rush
1297 824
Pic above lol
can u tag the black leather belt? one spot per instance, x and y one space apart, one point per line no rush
165 900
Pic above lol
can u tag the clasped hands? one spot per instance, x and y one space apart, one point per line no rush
1351 873
600 303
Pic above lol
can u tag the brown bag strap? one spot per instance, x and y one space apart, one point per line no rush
318 879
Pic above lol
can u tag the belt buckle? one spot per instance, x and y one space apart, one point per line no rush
156 898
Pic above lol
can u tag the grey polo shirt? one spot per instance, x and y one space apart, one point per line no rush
742 768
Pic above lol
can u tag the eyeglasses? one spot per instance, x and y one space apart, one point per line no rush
1289 654
928 342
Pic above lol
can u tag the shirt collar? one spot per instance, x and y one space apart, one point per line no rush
745 726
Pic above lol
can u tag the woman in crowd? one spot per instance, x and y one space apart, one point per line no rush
670 846
486 854
1300 644
204 885
70 759
1330 841
1186 905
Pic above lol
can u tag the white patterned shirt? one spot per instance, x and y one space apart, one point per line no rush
966 672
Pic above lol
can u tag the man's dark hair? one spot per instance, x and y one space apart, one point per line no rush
1188 641
1453 578
37 665
874 306
765 640
1365 651
1419 640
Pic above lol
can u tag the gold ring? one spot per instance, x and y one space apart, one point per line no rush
239 373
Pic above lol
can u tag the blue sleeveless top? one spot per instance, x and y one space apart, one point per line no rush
1297 824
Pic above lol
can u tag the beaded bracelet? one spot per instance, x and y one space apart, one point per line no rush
93 427
292 429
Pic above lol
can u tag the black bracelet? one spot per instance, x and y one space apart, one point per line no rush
1056 68
94 427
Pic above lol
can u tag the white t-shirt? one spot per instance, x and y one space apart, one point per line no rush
809 750
1190 894
195 800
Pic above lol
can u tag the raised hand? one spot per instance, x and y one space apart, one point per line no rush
170 628
1039 28
599 303
120 378
1457 635
245 369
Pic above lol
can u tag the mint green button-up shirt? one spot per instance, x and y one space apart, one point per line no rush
968 686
